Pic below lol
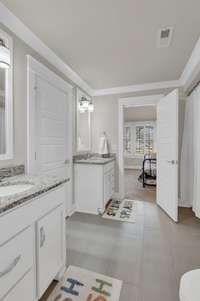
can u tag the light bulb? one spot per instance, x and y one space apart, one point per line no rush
91 107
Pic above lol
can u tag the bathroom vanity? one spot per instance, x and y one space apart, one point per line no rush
32 240
94 183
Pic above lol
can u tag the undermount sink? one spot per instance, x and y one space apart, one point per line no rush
10 189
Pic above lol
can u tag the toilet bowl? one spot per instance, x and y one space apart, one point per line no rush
190 286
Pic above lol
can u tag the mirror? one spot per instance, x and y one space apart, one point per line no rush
6 101
2 112
83 120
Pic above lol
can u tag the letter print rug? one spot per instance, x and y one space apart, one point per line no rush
121 210
82 285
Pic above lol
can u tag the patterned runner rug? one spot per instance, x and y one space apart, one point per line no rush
82 285
121 210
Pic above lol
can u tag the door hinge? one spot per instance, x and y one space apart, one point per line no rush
35 156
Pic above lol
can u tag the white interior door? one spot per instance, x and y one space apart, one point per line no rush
52 151
167 154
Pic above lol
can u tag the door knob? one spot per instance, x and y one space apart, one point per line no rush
67 161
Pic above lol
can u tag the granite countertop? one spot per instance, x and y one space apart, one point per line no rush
41 184
95 160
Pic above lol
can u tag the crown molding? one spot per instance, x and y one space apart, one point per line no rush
192 68
138 88
25 34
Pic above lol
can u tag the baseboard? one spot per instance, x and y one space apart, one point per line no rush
60 274
132 167
72 211
182 204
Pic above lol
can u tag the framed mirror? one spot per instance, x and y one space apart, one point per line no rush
84 108
6 96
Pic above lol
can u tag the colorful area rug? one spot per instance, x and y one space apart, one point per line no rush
121 210
82 285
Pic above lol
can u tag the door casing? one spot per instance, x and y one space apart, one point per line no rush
128 102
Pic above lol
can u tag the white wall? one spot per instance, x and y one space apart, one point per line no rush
105 118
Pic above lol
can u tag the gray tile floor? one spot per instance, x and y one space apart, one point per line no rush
149 256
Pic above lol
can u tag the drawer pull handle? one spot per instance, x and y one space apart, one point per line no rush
10 267
42 237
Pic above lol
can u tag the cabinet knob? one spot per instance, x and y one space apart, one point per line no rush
42 237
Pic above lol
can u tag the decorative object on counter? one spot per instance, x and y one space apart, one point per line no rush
83 285
103 146
121 210
11 171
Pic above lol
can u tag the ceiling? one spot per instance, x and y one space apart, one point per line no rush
112 43
145 113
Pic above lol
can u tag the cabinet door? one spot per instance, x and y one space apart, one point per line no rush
89 193
109 185
106 188
49 248
112 182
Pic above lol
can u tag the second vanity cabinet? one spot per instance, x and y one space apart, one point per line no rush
32 246
94 186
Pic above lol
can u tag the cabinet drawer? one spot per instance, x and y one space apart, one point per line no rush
109 166
24 290
16 258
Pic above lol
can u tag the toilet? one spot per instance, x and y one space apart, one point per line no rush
190 286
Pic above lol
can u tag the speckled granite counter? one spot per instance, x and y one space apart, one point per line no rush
41 184
95 160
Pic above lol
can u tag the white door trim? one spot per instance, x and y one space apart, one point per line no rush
127 102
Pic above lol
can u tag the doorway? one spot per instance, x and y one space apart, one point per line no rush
140 152
167 129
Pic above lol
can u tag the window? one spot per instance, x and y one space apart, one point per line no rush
144 139
139 138
139 149
127 139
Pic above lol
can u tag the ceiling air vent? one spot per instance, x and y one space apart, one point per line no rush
164 37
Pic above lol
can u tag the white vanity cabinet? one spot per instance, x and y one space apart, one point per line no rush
94 186
32 246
